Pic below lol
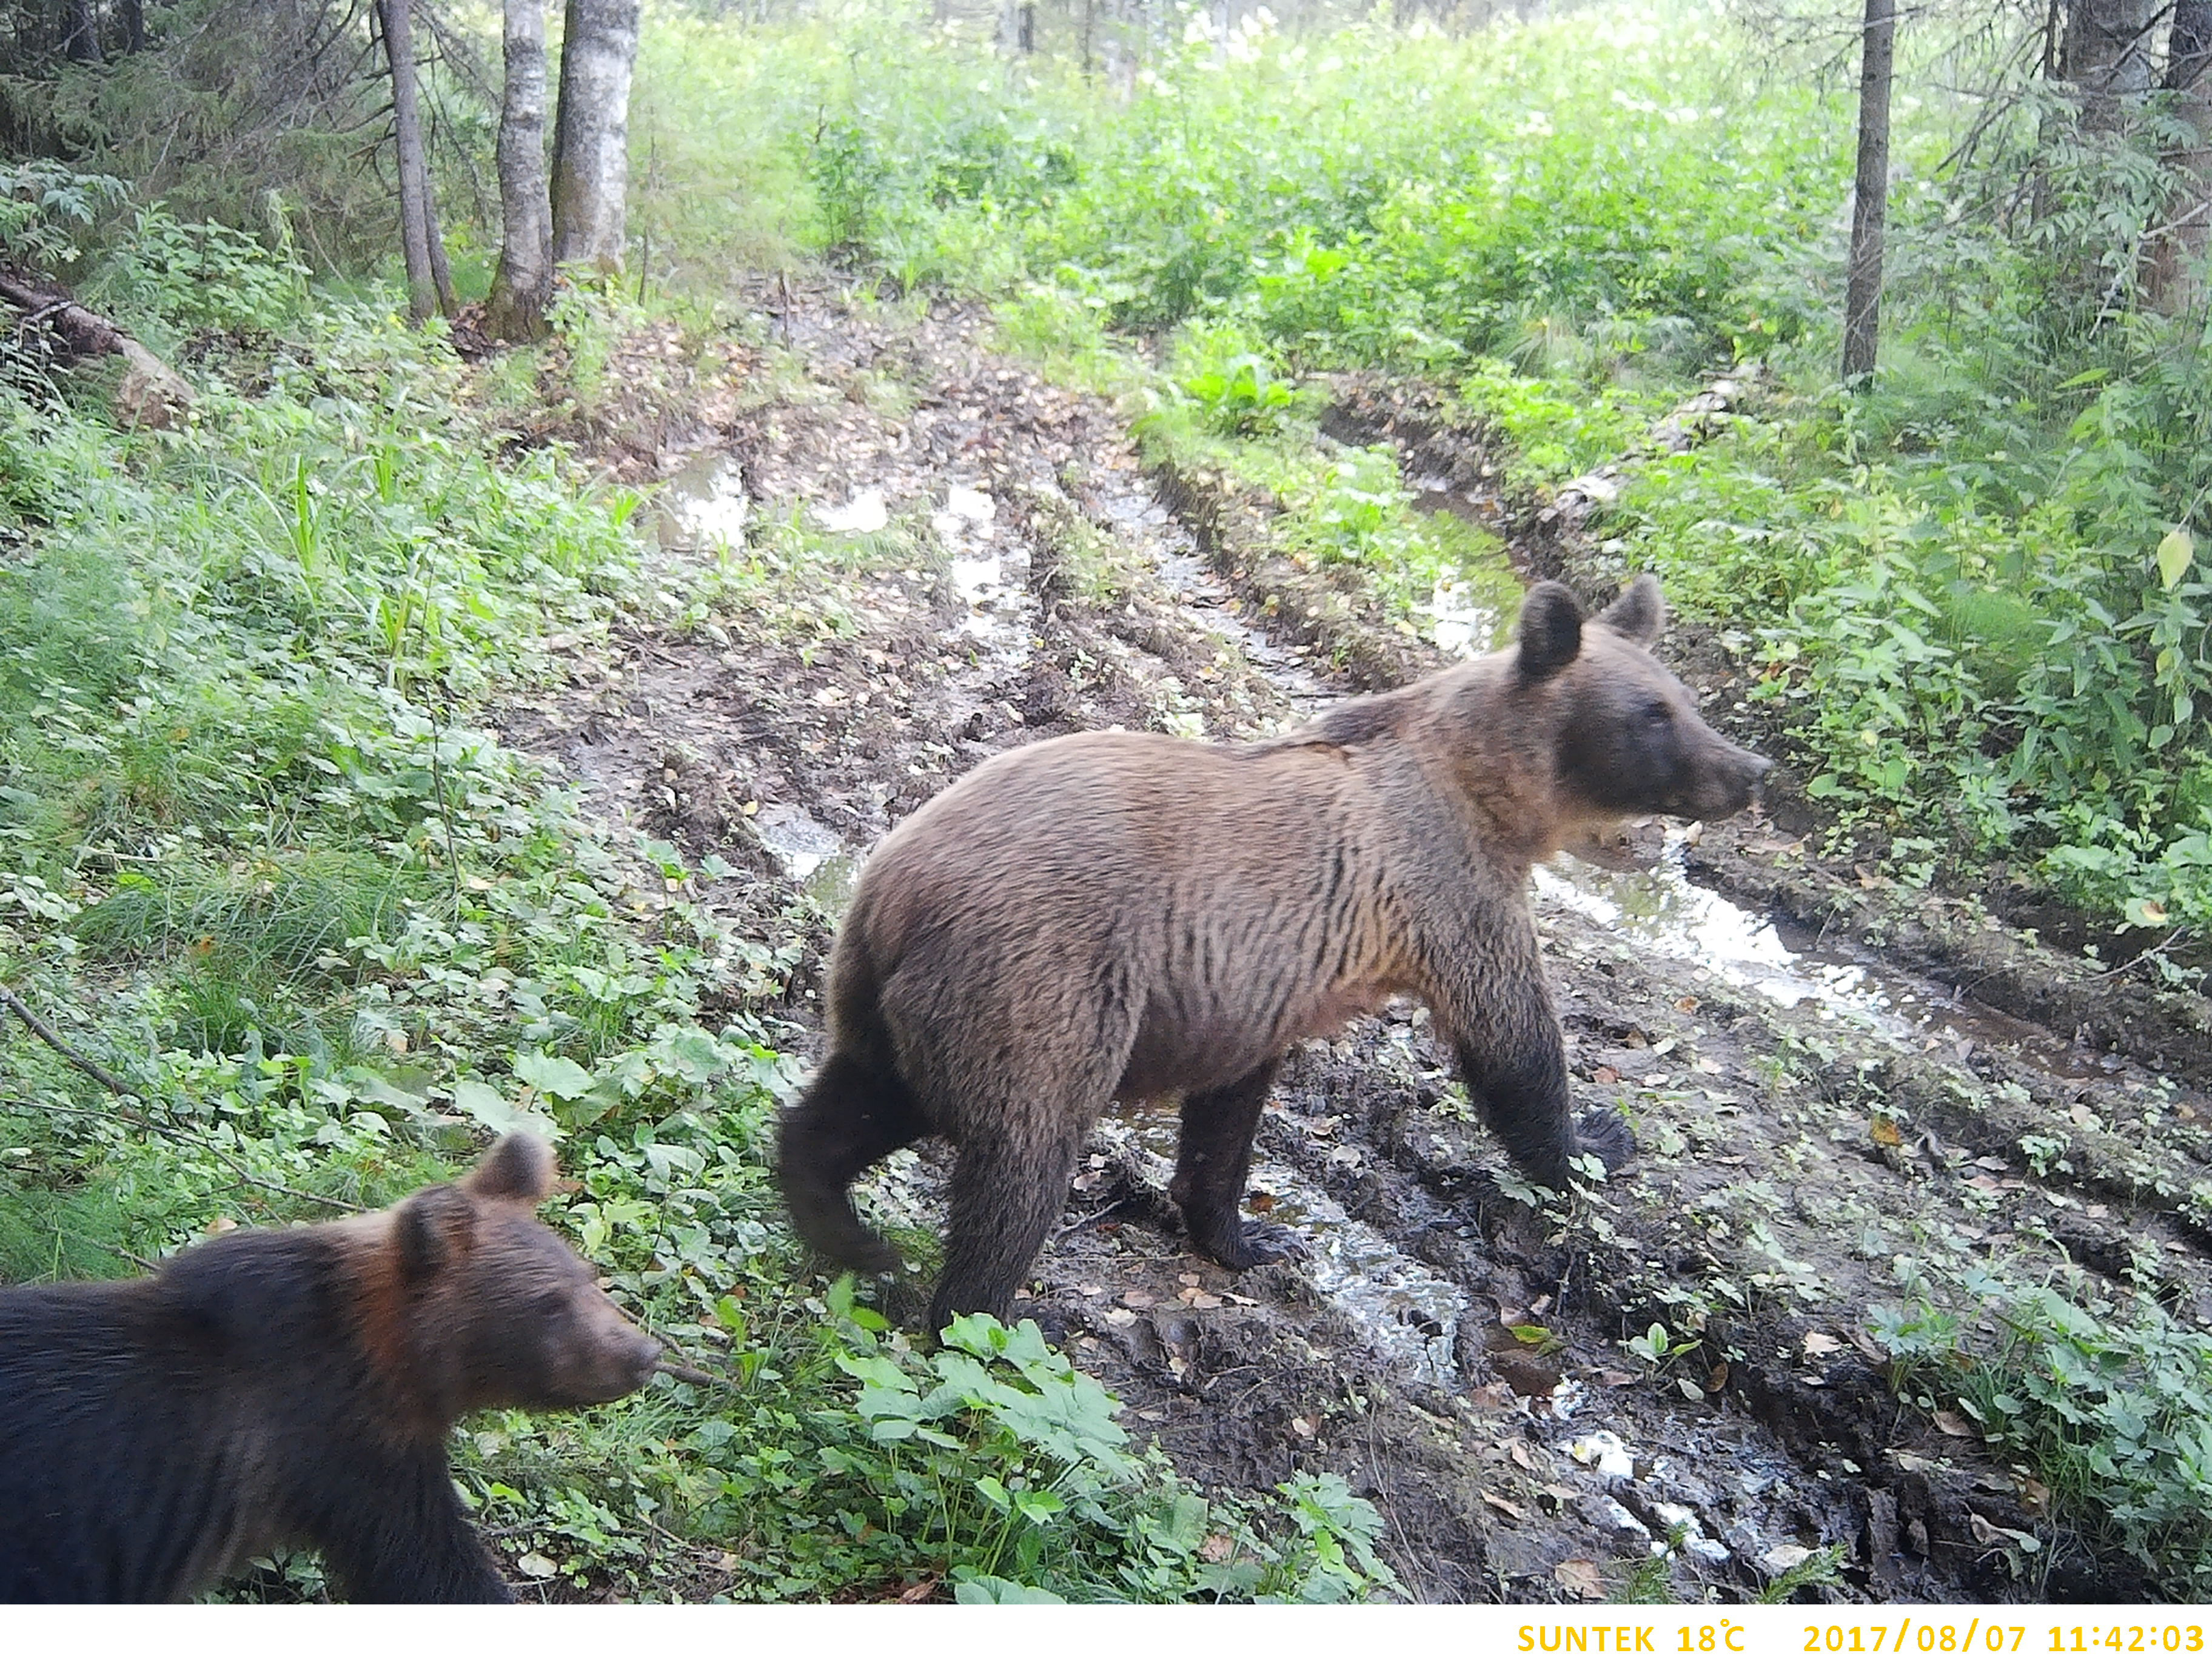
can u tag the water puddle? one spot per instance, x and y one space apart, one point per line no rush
702 504
864 515
1459 622
1661 908
988 570
801 846
1407 1312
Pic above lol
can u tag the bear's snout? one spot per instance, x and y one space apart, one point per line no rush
1728 782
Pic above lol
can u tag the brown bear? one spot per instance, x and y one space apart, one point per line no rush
1126 916
296 1387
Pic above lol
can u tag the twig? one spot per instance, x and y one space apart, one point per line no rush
54 1040
683 1373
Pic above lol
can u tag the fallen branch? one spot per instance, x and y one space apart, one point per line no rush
54 1040
152 393
114 1084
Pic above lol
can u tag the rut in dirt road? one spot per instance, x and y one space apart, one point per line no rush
941 557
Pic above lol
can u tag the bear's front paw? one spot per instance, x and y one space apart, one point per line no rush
1607 1135
1254 1244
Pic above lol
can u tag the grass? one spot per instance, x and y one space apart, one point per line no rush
265 860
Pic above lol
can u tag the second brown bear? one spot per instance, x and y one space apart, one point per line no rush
1126 916
295 1386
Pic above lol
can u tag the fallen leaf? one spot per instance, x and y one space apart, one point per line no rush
1120 1318
1136 1298
1710 1069
1218 1547
1610 1378
1779 1560
1952 1424
1687 1004
1580 1577
536 1565
1717 1379
1819 1342
1186 1279
1883 1130
1300 1427
1504 1506
1655 1080
921 1590
1490 1396
1604 1074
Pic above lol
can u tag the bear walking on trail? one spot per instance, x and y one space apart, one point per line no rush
295 1387
1125 916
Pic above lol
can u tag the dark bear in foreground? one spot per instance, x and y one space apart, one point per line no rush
1124 916
295 1387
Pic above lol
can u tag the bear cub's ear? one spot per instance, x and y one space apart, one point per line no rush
519 1170
1550 630
431 1229
1639 613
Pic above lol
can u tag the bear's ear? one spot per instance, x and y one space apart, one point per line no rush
519 1169
1639 613
431 1230
1550 630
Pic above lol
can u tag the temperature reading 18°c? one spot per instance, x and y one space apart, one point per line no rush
2127 1638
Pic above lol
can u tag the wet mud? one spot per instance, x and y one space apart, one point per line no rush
891 552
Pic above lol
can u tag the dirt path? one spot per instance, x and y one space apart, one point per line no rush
1823 1132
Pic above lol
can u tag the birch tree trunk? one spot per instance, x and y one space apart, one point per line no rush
414 173
591 137
523 287
1870 200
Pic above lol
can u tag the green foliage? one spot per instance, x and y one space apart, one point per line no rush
2112 1407
187 278
45 206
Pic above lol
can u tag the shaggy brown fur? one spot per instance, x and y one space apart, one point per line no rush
295 1387
1124 916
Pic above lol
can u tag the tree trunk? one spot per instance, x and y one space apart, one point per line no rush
591 136
1025 27
441 274
523 288
2106 51
2174 271
1870 201
395 17
80 33
134 25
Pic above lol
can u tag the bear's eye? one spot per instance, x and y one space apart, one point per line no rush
551 1305
1658 713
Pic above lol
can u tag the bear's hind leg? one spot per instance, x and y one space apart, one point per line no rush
1213 1161
851 1116
1007 1190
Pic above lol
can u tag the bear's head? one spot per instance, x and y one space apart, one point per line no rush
1627 736
496 1308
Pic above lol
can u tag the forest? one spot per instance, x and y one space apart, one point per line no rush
500 510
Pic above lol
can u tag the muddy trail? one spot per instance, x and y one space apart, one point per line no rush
888 553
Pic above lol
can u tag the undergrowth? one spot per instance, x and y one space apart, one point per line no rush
264 863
